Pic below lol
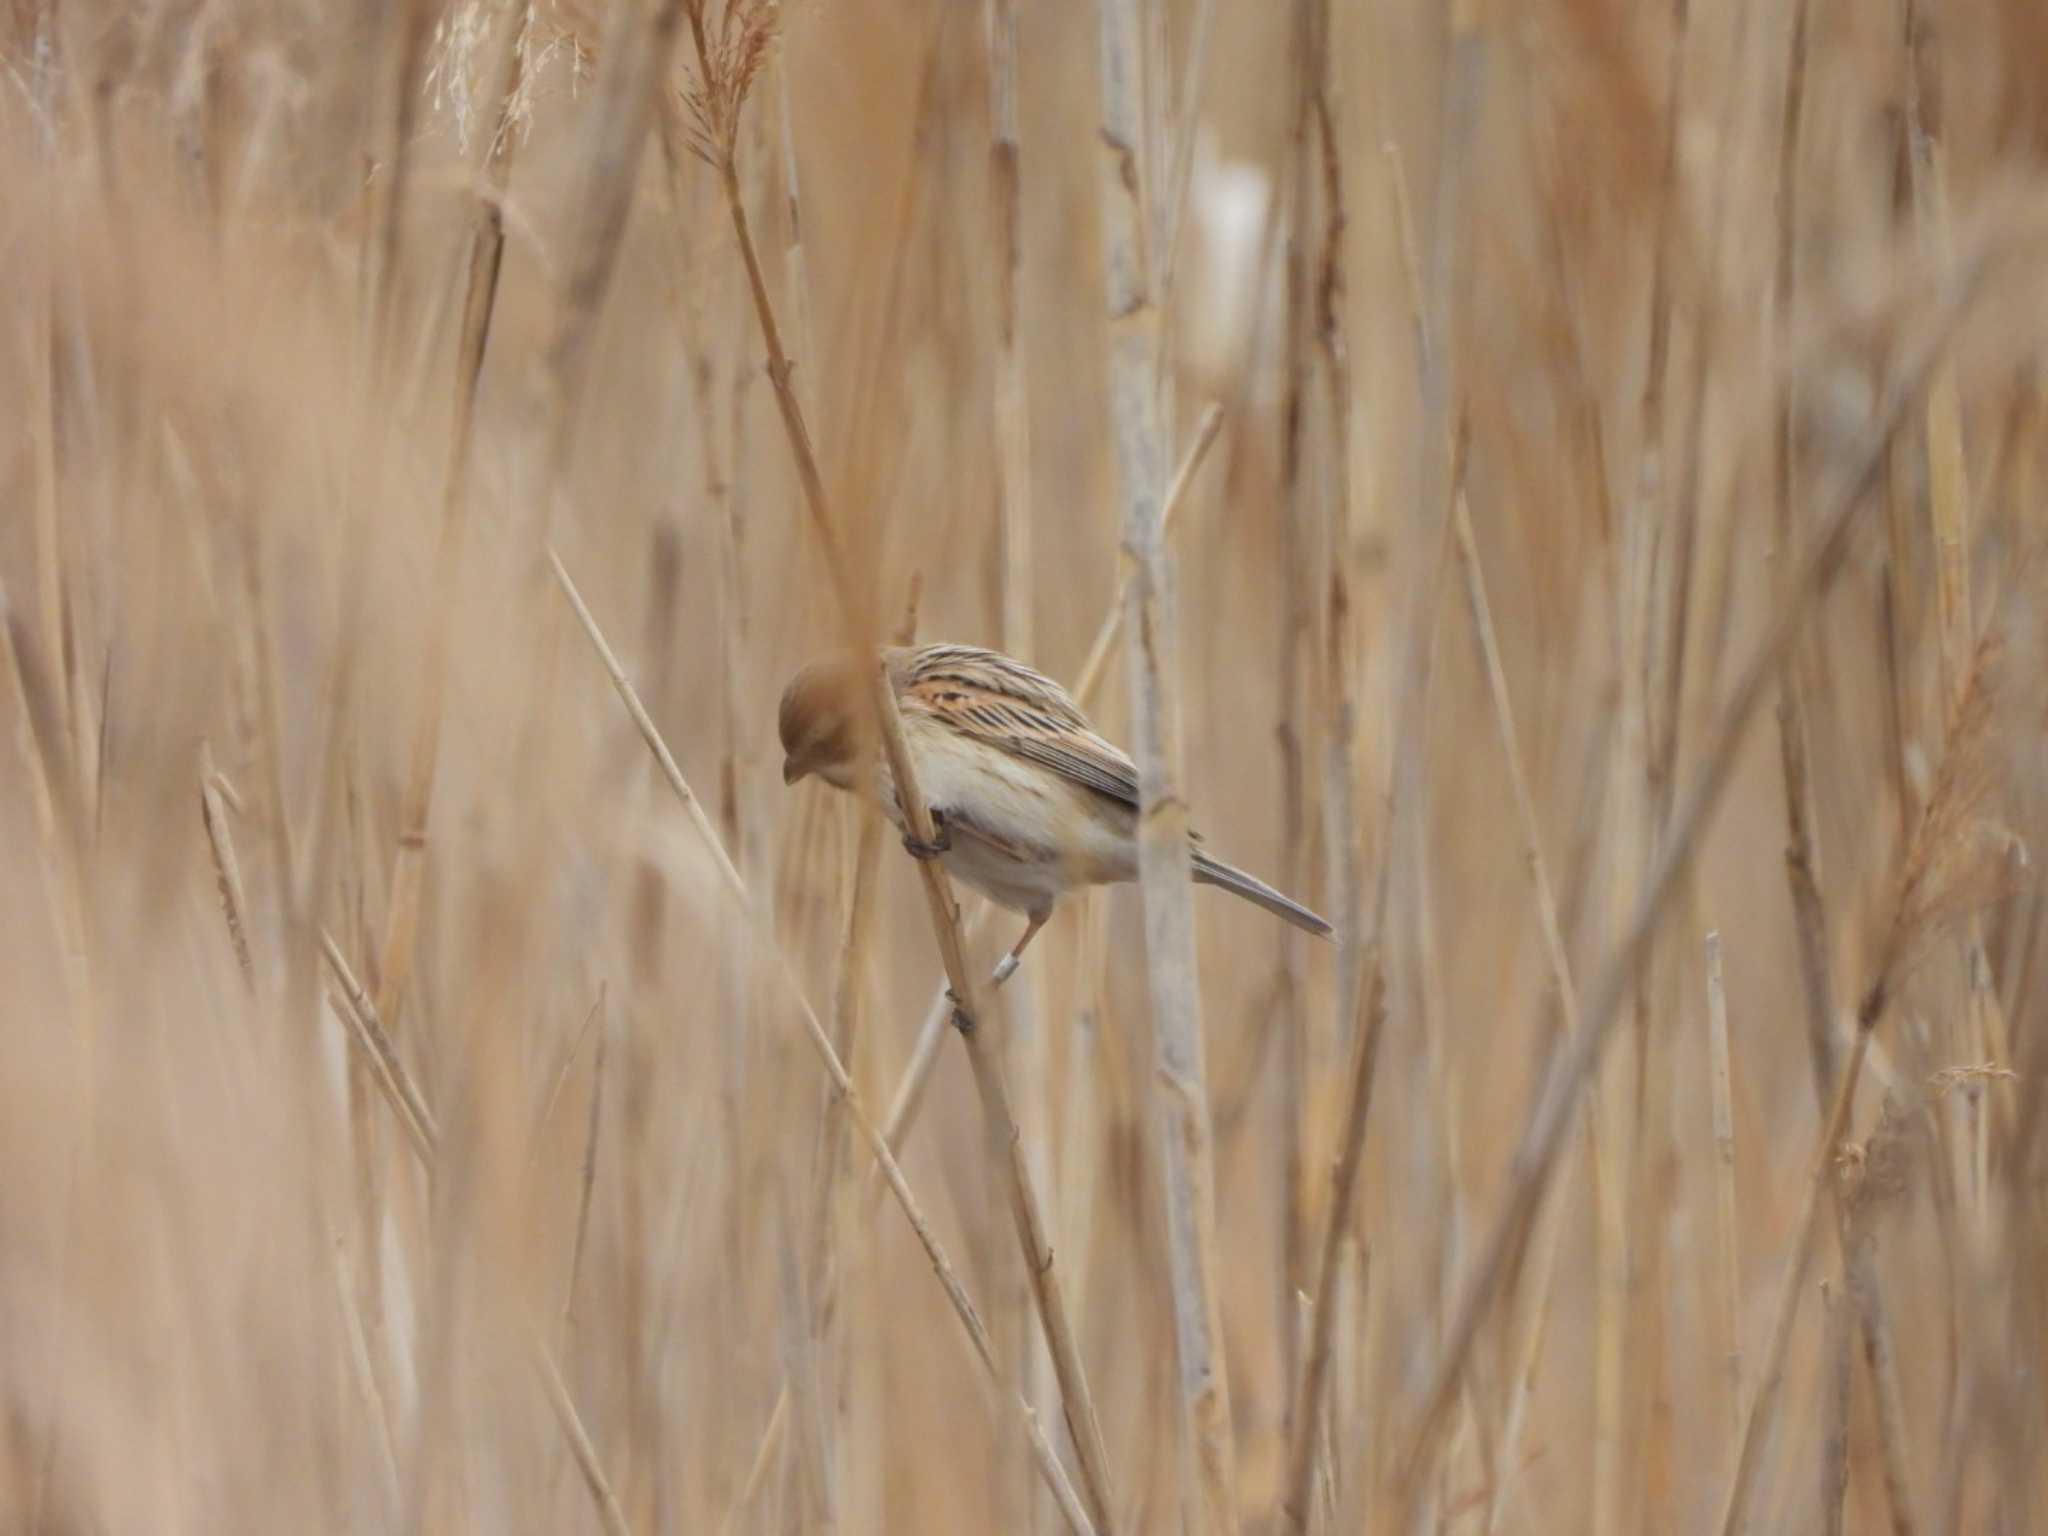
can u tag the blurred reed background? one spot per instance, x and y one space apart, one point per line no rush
1608 596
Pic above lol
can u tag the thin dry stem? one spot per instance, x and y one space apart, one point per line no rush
1928 886
1128 158
1089 679
1555 952
1834 1452
589 1179
405 1100
1749 1458
1727 1231
234 901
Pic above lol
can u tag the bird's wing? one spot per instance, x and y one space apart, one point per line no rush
989 698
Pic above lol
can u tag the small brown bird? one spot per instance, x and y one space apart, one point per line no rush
1028 801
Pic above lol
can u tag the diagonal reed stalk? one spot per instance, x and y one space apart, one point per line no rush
842 1082
1921 899
1552 929
388 1071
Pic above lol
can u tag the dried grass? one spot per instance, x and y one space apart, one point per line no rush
341 335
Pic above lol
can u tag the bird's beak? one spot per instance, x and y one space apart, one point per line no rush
792 770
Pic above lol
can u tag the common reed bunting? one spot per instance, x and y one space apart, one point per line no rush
1028 801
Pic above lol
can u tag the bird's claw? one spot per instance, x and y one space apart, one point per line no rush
941 843
962 1019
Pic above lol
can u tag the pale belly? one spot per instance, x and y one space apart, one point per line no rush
1005 821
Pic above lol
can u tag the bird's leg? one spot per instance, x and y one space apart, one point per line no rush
1007 966
942 839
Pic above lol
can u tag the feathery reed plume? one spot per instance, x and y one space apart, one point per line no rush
1949 871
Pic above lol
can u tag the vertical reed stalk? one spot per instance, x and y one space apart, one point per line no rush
1296 656
1165 874
1025 1043
479 300
1727 1238
1552 929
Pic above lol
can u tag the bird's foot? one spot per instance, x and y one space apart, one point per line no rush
962 1019
941 843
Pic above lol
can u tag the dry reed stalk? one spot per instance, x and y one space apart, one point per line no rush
1309 1430
725 81
842 1083
1006 250
46 515
1025 1039
589 1178
479 301
831 1209
1358 988
1834 1448
610 1512
639 42
234 901
1543 1138
402 1095
1194 70
1727 1233
797 274
1298 617
1802 855
1089 679
1652 594
1948 495
393 106
1550 1244
1927 888
1410 735
1127 168
381 1057
1735 1515
1862 1275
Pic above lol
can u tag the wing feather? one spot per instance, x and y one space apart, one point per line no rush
990 698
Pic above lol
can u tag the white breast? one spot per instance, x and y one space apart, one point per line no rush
1044 835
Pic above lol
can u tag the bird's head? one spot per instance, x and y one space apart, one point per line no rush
822 721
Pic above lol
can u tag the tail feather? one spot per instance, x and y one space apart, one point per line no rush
1210 871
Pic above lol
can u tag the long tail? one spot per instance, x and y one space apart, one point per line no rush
1210 871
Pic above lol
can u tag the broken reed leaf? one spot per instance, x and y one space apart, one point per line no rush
1947 1078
